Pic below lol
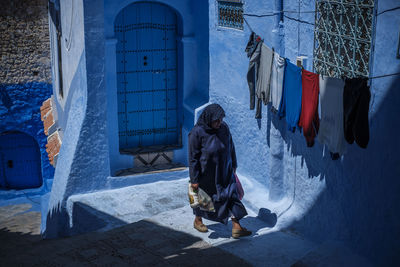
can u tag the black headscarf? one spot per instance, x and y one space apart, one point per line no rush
211 113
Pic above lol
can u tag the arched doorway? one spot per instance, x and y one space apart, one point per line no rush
20 161
147 88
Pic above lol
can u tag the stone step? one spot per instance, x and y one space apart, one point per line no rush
265 247
165 203
332 254
104 210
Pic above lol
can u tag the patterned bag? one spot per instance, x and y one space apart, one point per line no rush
205 201
200 199
239 188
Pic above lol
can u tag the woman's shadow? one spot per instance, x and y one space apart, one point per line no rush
264 219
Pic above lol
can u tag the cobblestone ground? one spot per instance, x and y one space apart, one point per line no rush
144 243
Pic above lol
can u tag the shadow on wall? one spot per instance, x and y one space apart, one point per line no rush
140 243
85 219
316 160
361 202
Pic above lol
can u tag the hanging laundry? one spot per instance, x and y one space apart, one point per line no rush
252 75
309 119
251 44
278 71
291 100
264 74
356 97
331 131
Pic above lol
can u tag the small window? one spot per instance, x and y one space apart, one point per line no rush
55 15
342 37
230 14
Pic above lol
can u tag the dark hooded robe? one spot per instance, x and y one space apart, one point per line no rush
212 159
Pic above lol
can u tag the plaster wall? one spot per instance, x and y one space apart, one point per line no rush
193 70
354 199
228 86
83 164
72 49
87 113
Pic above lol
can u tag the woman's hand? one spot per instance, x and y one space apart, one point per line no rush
195 186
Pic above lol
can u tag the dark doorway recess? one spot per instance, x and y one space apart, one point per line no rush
20 161
147 88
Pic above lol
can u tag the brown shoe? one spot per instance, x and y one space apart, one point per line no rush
236 233
200 227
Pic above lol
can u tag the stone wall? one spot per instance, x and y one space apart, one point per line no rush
25 73
24 42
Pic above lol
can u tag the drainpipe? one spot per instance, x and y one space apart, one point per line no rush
279 29
279 7
276 182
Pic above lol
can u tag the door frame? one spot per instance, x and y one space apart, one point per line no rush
179 104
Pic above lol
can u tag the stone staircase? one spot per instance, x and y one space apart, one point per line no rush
165 203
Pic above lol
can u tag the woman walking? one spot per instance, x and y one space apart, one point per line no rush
212 165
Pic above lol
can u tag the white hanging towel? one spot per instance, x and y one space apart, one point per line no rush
264 74
331 132
278 70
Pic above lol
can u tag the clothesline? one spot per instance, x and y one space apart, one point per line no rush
321 107
374 77
299 20
385 75
275 12
248 25
387 10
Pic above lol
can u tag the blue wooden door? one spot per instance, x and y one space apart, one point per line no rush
20 163
146 55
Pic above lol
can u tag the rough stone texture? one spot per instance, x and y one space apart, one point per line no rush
25 70
24 42
165 239
9 211
144 243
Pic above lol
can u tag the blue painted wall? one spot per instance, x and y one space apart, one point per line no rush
193 70
84 149
20 111
89 154
73 63
355 199
228 86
